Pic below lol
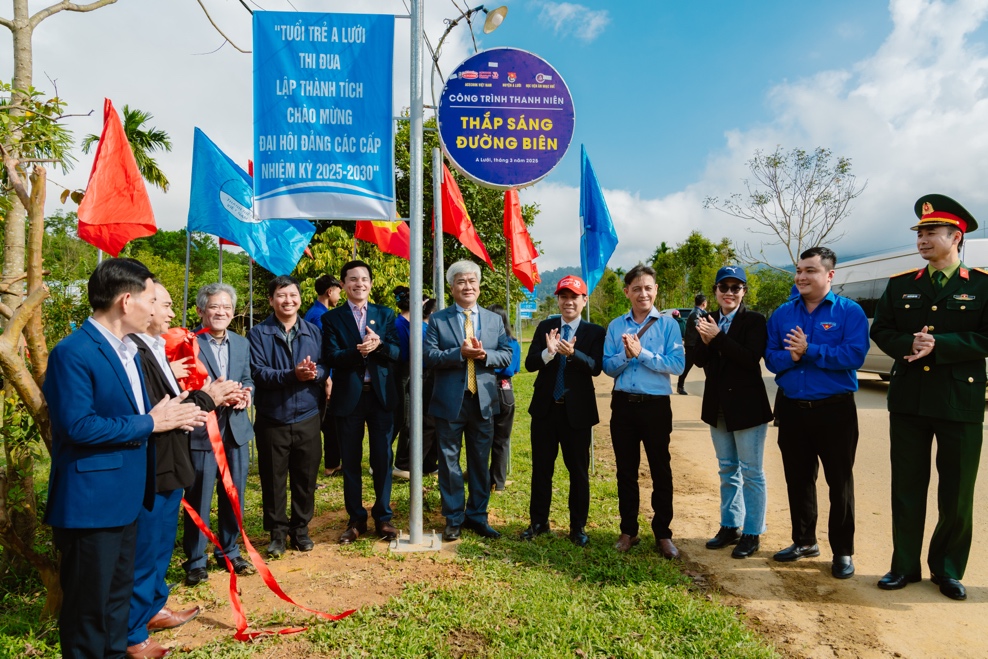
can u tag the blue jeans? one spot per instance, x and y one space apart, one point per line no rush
742 479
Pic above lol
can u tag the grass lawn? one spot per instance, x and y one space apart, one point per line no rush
546 598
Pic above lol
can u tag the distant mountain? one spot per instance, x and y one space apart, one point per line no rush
547 286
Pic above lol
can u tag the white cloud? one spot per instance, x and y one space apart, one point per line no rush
567 18
912 117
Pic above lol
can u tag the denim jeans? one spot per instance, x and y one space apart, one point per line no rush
742 479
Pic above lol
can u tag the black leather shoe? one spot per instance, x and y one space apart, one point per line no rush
482 529
952 588
277 546
196 576
893 581
451 533
681 391
795 552
301 540
240 565
534 530
727 535
578 537
842 568
386 531
747 546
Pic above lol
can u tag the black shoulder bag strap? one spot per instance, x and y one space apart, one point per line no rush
651 321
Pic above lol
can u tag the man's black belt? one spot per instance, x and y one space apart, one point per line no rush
636 398
366 387
821 402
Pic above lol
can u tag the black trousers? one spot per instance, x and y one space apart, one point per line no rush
690 356
288 452
504 421
549 434
634 425
330 443
350 430
430 448
825 435
97 578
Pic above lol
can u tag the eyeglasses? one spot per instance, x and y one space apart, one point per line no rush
724 288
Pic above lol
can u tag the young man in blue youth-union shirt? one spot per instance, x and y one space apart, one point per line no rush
816 343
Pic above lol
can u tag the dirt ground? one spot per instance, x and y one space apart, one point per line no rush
797 606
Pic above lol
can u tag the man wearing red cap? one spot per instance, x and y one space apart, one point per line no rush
567 352
934 322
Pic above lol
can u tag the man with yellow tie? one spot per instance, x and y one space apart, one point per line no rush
464 344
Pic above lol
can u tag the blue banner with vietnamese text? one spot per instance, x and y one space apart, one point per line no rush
323 113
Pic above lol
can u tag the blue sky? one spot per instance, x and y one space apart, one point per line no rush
672 98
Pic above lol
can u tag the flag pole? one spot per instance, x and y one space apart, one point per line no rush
439 287
99 256
219 243
185 293
250 290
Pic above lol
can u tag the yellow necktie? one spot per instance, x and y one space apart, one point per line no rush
471 367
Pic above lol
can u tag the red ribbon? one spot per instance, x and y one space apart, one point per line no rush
181 342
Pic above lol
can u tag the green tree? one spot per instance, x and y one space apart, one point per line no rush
796 198
143 142
689 269
768 288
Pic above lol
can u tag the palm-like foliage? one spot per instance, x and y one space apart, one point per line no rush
143 142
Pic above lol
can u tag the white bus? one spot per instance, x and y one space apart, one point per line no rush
864 280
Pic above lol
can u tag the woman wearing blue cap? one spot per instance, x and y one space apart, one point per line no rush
736 408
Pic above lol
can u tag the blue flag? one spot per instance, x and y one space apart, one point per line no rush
222 204
598 238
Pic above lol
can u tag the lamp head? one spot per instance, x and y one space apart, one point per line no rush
494 19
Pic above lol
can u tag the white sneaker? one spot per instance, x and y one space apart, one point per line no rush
400 473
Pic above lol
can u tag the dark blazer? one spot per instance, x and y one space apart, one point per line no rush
238 370
340 337
174 464
734 377
582 367
443 338
101 470
949 383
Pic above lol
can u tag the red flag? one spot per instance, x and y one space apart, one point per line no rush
523 253
456 219
116 208
224 241
392 237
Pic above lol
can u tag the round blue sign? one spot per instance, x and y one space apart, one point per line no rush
506 118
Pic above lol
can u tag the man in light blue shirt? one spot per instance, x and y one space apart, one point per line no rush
642 349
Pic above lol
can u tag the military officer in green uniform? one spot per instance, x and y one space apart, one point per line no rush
934 322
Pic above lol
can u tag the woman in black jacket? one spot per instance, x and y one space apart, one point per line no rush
736 407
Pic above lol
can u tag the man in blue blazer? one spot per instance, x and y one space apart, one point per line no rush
464 344
360 344
101 470
225 354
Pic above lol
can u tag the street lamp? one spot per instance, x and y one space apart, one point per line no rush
493 19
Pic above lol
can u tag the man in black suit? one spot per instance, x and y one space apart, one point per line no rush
360 344
564 406
156 528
